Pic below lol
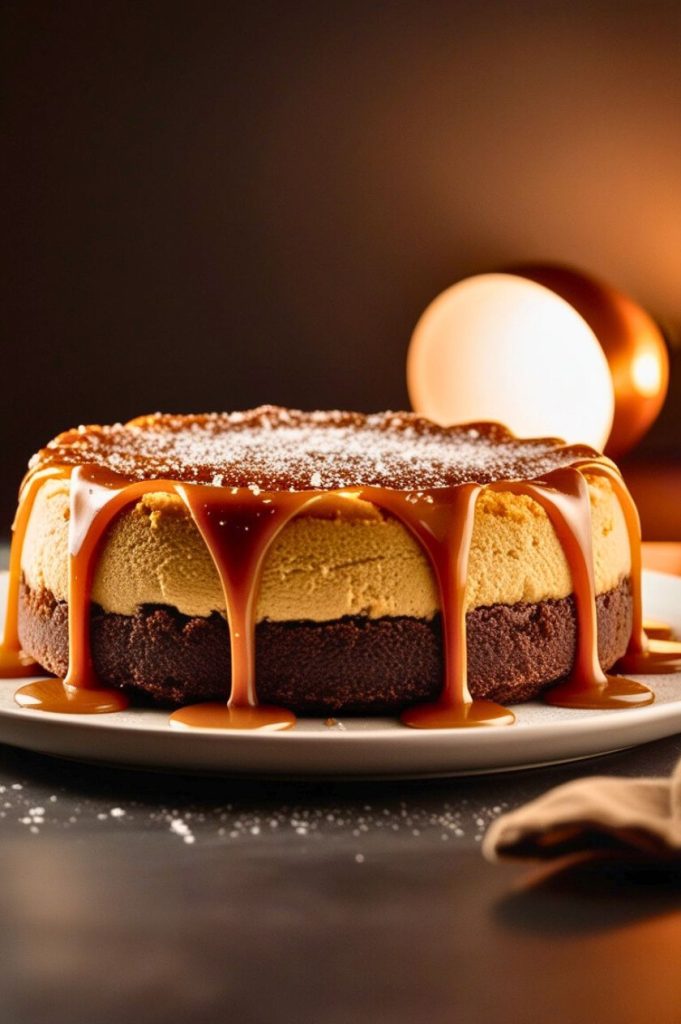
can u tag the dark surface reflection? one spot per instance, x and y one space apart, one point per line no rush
596 894
351 907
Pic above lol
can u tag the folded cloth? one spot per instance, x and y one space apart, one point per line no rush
594 815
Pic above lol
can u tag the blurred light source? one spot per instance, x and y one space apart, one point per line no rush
500 347
544 349
646 374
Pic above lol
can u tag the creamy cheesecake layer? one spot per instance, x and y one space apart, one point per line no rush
344 559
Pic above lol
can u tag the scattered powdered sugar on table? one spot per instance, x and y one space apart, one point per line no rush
194 823
271 448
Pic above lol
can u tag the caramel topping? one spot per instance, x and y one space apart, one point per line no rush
661 657
54 695
238 530
16 663
280 449
564 496
262 717
657 630
443 522
244 476
655 656
13 661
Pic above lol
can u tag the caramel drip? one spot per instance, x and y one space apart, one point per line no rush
56 696
13 661
442 521
661 657
96 496
657 630
564 496
646 653
239 528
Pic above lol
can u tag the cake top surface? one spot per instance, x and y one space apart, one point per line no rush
272 448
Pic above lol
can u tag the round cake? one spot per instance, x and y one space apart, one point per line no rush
348 611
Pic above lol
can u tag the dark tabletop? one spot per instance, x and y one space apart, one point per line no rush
155 897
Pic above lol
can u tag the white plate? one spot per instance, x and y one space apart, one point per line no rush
362 747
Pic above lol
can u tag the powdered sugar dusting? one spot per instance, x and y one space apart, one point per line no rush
358 824
271 448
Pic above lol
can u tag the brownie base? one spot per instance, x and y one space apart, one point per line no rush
353 665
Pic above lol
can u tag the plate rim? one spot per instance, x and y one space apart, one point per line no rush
430 745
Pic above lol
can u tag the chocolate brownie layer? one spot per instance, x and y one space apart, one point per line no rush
355 664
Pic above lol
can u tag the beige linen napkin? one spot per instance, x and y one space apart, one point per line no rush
594 815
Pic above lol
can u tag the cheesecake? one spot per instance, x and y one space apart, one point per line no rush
347 608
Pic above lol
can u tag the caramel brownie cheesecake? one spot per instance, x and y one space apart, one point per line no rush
376 559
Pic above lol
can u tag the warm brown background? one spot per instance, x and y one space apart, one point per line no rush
216 205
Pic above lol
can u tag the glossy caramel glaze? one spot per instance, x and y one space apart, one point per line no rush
280 449
244 476
56 696
657 630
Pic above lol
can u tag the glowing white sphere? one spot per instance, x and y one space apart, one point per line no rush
501 347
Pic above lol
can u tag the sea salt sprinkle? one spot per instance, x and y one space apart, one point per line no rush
351 825
180 828
270 448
